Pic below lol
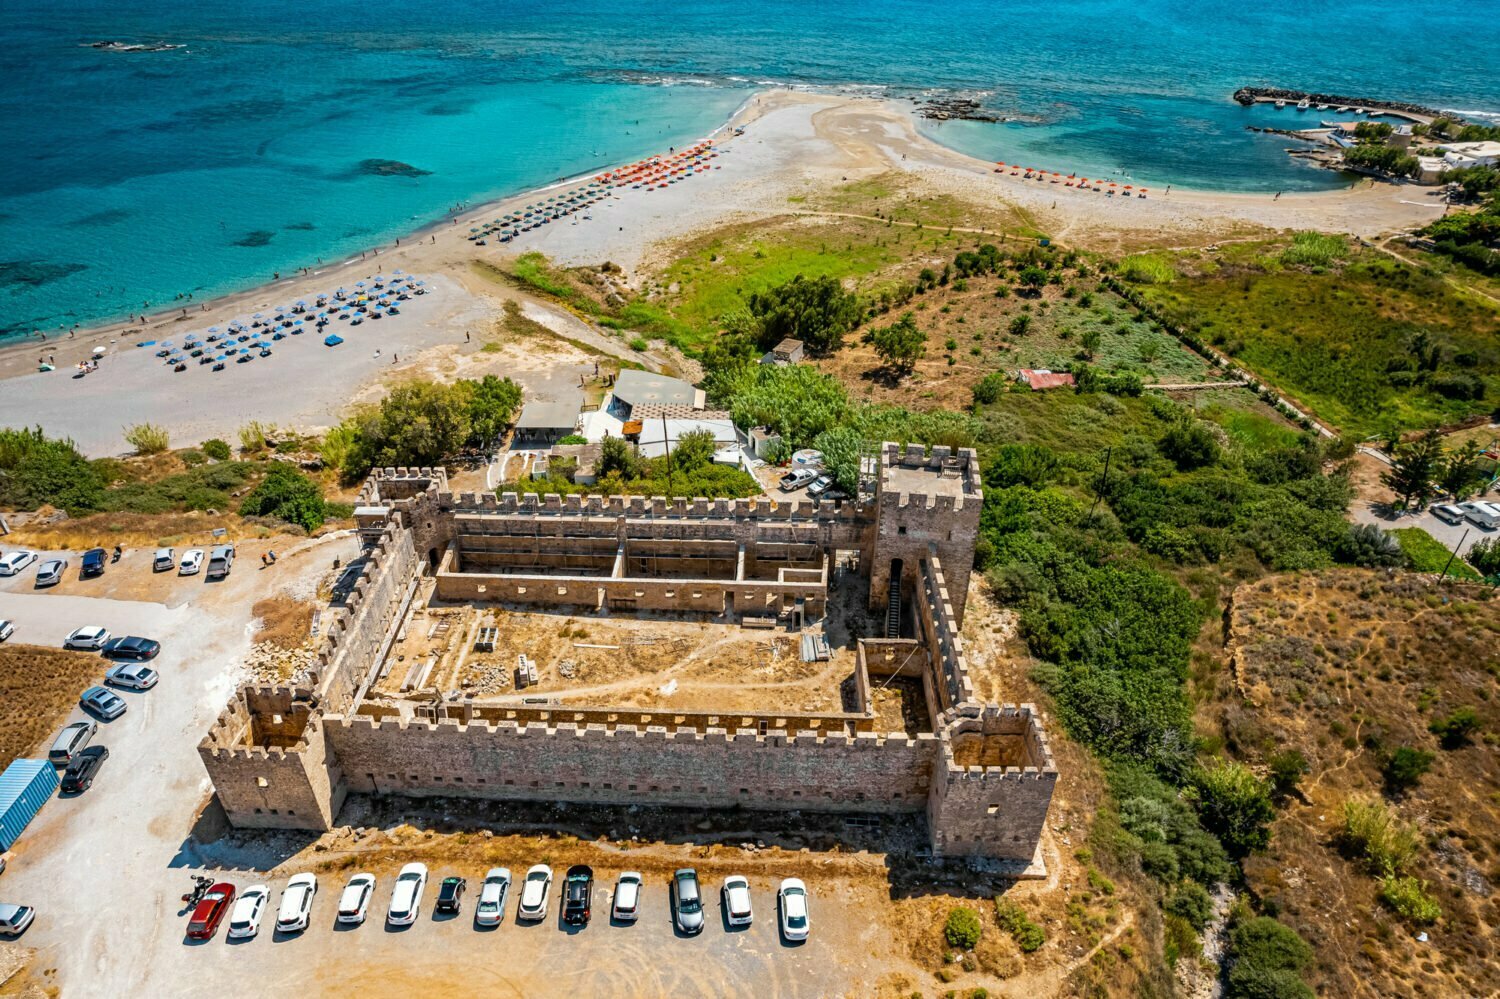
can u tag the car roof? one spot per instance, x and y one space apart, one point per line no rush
97 692
497 872
538 869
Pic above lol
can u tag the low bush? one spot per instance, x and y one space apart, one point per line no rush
148 438
1373 834
1455 729
1013 920
1408 897
1266 961
286 494
1192 903
1403 768
216 449
962 929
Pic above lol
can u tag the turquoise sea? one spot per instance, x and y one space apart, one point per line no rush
282 133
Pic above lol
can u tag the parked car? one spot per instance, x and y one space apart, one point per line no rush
136 649
797 478
210 910
88 639
1483 515
244 919
79 776
165 560
628 897
104 703
296 903
820 485
220 560
406 897
71 741
492 895
354 903
1449 513
534 892
6 629
93 563
578 895
11 563
736 892
791 899
15 918
50 572
192 561
687 901
131 677
451 895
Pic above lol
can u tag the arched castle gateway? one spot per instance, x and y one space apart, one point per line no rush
281 757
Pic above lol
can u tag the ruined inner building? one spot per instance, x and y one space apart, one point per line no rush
760 653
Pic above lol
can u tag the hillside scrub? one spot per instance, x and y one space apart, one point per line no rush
422 423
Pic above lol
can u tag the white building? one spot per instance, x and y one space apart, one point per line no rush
1458 155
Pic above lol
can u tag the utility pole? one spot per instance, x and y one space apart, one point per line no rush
1453 555
1103 479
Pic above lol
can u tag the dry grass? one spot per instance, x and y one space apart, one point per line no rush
1347 666
38 687
283 622
135 530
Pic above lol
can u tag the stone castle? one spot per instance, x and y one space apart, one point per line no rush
283 757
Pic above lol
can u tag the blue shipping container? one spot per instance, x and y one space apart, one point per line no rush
24 789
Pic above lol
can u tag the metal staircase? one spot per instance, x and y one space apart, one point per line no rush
893 608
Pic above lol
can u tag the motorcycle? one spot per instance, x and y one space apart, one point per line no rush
201 885
117 554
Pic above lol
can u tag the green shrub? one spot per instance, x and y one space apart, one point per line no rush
1147 268
1373 833
216 449
1192 903
1455 729
988 390
148 438
962 929
1266 960
639 344
1287 767
574 439
37 470
286 494
1234 805
1403 769
1408 897
1013 919
192 458
1314 249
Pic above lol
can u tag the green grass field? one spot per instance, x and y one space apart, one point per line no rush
1428 554
1340 338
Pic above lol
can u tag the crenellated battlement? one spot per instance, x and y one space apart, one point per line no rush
513 504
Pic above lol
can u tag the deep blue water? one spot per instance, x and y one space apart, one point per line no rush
132 178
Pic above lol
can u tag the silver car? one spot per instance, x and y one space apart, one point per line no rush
131 676
50 572
687 902
12 563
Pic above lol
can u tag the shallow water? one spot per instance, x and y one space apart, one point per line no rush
282 132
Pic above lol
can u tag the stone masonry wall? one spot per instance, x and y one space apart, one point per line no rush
994 812
625 765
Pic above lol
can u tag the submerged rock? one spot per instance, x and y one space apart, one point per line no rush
390 168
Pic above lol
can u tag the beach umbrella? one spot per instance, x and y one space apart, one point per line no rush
257 315
213 329
100 350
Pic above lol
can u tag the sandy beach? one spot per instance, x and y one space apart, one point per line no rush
792 143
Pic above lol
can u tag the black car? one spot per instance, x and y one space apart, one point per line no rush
451 895
79 776
578 895
136 649
93 562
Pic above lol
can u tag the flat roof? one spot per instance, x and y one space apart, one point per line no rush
634 387
547 416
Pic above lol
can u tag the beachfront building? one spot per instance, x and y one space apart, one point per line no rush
1459 155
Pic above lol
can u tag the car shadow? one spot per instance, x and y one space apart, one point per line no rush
239 941
339 927
391 927
724 922
444 917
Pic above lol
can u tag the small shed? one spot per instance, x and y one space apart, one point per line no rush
546 422
24 789
786 352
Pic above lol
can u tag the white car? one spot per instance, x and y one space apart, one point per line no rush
12 563
406 897
163 561
15 918
192 561
354 903
627 907
296 903
736 893
6 630
50 572
792 897
797 478
534 893
492 894
244 919
89 639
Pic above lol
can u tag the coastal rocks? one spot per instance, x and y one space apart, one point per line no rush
110 46
955 108
1251 95
389 168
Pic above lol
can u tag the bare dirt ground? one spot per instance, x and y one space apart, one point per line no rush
647 661
1346 666
38 687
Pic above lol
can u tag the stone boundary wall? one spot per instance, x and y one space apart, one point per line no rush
940 630
354 635
995 812
591 505
626 765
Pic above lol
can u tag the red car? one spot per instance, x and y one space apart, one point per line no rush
210 912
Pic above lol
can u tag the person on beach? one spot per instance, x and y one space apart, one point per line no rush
466 337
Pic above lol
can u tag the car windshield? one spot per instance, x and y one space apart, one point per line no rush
796 922
410 877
